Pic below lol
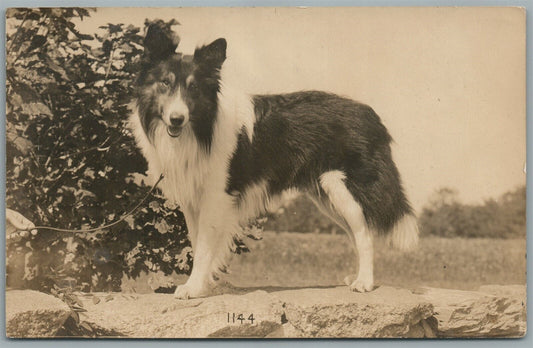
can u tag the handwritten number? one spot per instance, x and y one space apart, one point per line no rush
233 316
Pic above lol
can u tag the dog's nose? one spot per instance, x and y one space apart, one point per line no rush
177 119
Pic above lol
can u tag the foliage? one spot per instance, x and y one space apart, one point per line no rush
71 160
445 216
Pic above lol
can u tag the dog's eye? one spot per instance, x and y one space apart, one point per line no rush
193 86
166 83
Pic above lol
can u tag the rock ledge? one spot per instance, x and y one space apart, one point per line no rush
32 314
493 311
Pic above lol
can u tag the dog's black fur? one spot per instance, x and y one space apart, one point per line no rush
299 136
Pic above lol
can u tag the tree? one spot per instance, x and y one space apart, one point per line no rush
445 216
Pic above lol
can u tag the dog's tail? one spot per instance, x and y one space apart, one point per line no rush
404 234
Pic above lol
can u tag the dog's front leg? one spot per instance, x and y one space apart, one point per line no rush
218 223
191 219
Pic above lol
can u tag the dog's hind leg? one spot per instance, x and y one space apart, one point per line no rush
217 225
324 205
343 202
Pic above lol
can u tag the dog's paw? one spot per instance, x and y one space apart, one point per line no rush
185 292
361 284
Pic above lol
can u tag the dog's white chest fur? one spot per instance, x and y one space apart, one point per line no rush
184 165
192 174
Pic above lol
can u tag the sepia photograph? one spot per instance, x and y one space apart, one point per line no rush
269 172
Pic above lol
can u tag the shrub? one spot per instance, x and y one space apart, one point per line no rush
300 215
445 216
71 160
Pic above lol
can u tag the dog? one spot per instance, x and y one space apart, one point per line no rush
227 157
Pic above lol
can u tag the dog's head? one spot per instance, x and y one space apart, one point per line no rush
178 90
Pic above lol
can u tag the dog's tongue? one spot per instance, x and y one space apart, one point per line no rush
174 131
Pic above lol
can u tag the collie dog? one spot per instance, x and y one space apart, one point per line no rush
227 156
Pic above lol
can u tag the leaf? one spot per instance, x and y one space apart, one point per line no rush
81 12
56 68
81 194
162 226
78 309
86 326
126 48
154 205
118 64
83 36
37 41
108 104
96 300
75 299
20 143
114 28
109 298
75 316
36 109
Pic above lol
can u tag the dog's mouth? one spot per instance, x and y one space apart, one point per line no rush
174 131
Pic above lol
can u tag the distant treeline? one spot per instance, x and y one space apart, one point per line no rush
443 216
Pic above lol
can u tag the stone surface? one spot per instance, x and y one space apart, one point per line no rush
162 316
327 312
34 314
493 311
339 312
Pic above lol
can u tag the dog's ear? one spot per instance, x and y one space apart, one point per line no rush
160 41
213 54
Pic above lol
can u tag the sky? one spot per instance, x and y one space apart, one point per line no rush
448 83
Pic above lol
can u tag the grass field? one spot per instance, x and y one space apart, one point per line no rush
306 260
295 259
